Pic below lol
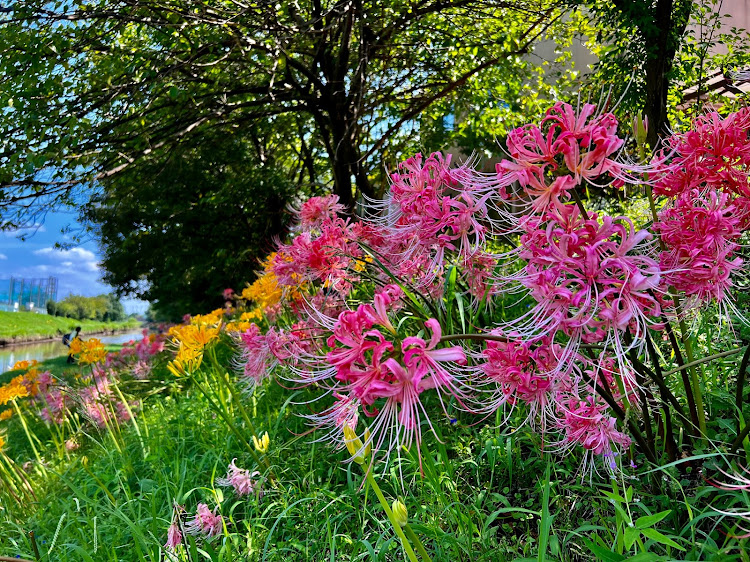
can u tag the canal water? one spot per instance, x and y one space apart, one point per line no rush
47 350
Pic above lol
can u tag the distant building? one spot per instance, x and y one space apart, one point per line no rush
27 294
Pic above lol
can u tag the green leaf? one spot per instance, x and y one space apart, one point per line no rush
602 553
461 312
631 534
655 535
645 557
651 520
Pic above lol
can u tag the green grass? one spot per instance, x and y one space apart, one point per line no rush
27 326
496 499
481 493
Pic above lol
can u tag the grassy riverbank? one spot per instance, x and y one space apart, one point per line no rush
17 327
57 366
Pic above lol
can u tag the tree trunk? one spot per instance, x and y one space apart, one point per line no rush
346 162
662 37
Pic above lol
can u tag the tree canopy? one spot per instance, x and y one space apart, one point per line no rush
162 119
95 87
180 233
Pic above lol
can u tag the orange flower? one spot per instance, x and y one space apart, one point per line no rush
88 351
14 389
24 365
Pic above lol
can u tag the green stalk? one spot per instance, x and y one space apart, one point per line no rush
232 391
415 539
396 527
10 479
132 419
28 435
694 383
232 427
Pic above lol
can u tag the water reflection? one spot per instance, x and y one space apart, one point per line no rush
47 350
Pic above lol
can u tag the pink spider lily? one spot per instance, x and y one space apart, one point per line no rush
478 270
205 522
587 424
242 480
566 150
255 359
387 378
591 281
326 255
174 536
526 373
714 153
317 209
436 212
700 232
174 533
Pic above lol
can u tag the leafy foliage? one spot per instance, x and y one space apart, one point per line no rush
107 308
94 88
181 232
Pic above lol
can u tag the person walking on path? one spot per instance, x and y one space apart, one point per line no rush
68 339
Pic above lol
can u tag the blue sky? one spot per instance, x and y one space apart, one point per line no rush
77 269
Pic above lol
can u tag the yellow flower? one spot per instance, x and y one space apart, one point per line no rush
24 365
357 450
399 512
14 389
198 337
238 326
264 292
210 319
254 315
2 442
76 346
6 414
187 360
89 351
262 444
29 381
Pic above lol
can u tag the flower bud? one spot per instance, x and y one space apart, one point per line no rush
399 512
261 444
368 443
353 444
640 130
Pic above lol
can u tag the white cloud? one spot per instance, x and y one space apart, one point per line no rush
75 259
3 257
24 232
77 270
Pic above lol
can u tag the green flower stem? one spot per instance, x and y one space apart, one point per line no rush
707 359
28 435
236 399
233 428
228 421
137 429
415 539
693 385
396 527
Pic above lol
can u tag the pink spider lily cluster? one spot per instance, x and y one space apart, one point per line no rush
94 396
368 313
205 522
